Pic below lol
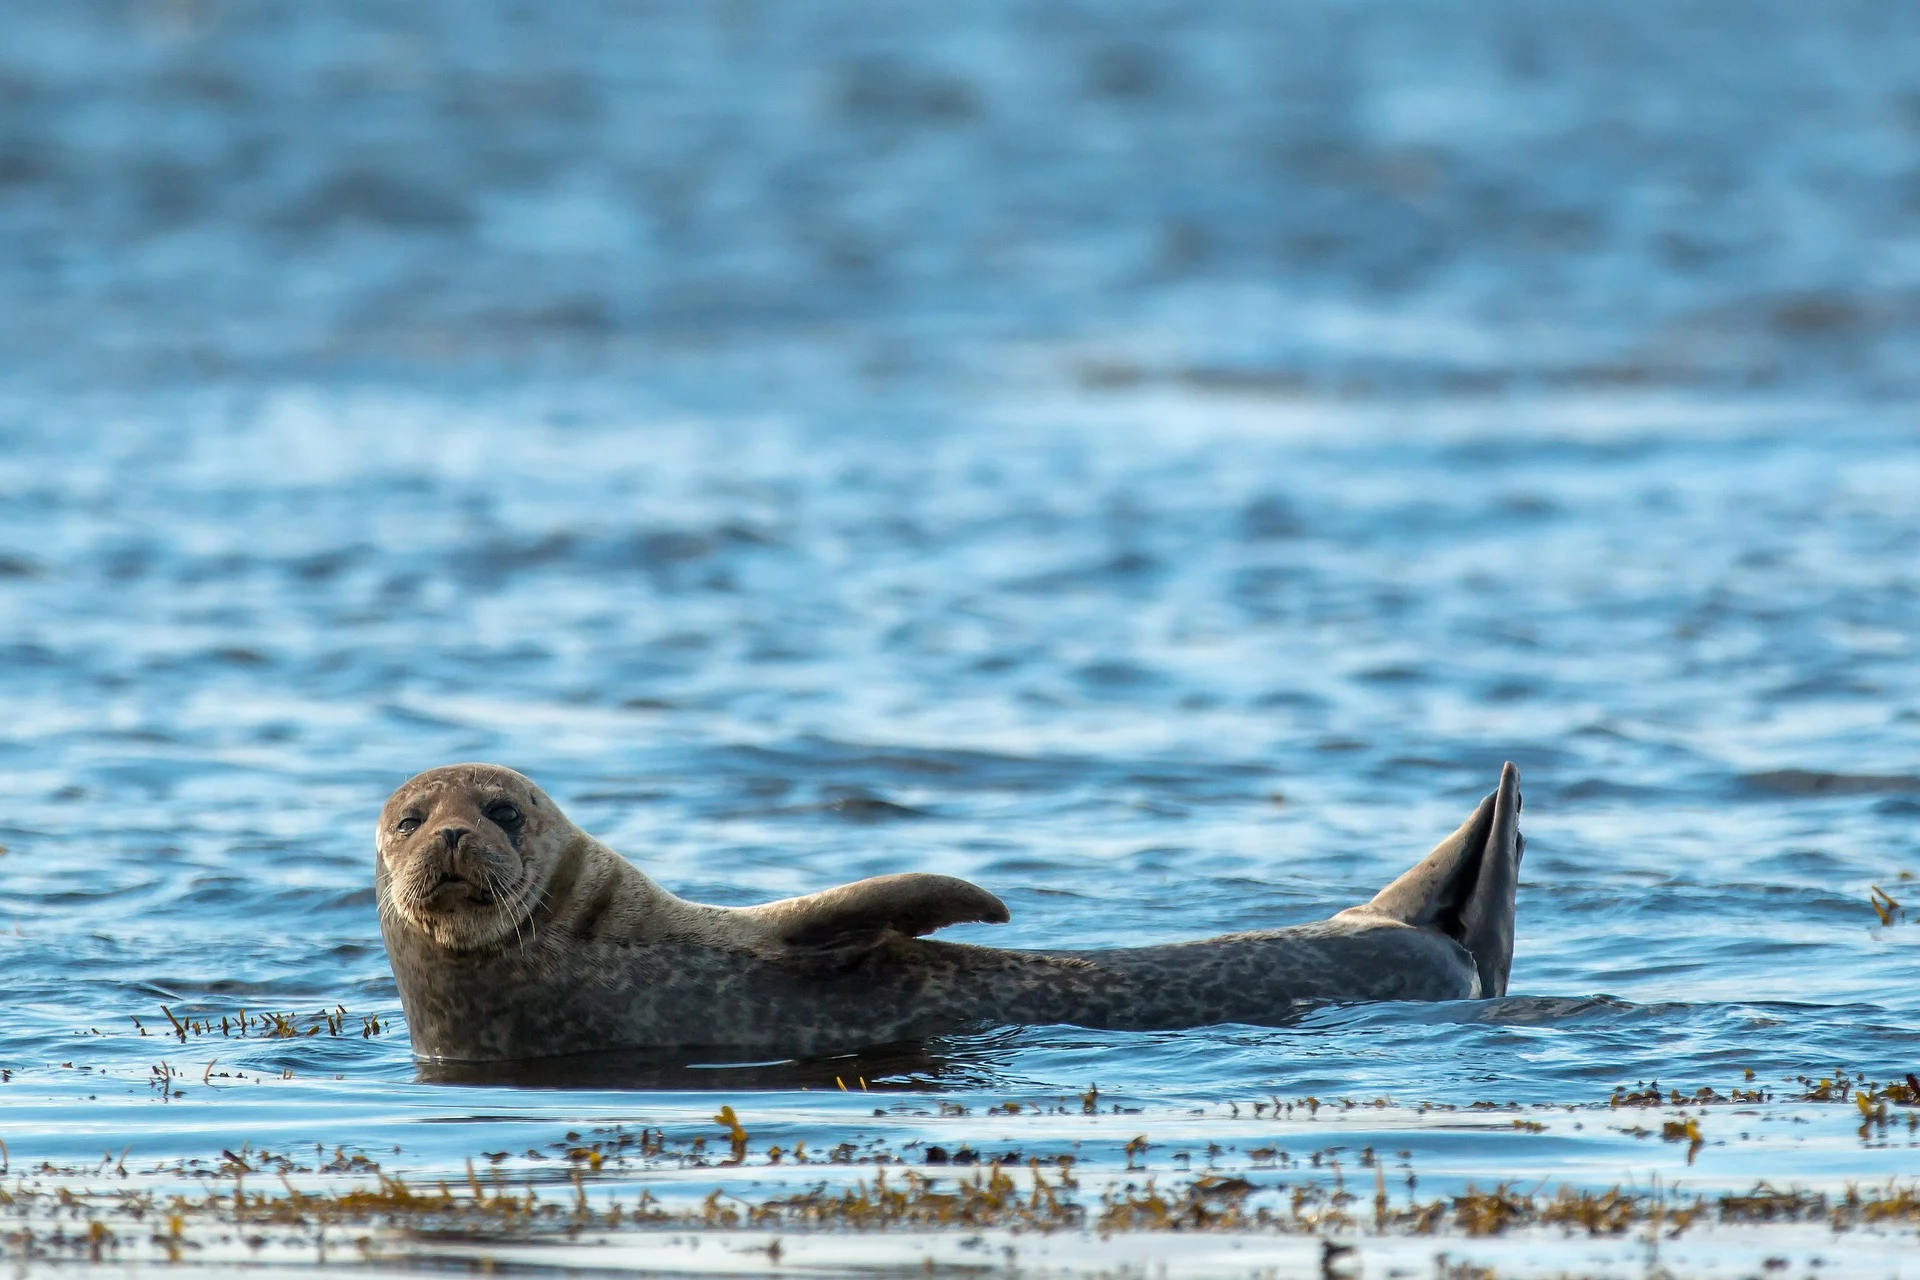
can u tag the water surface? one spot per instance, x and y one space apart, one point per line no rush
1158 473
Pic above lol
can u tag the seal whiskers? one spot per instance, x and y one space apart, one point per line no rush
513 934
501 905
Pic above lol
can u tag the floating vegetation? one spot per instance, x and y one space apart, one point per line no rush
616 1178
989 1197
118 1224
270 1026
1841 1086
1687 1131
736 1134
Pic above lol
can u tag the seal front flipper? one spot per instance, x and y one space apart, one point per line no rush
1464 888
857 916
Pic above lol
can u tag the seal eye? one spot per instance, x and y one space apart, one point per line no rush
503 814
407 825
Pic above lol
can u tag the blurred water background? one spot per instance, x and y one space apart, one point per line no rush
1154 460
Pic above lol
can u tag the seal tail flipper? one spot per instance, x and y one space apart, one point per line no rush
1486 922
1465 887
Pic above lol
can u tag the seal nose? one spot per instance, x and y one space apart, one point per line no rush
451 837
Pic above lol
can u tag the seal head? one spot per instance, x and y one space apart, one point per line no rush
465 853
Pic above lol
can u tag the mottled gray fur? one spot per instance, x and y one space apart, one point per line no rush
513 934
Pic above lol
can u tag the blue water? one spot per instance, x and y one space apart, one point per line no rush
1157 469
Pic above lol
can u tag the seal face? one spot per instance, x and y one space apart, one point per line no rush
464 852
513 934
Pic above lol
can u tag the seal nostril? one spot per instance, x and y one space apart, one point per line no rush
451 836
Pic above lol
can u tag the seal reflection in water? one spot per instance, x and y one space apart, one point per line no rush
514 934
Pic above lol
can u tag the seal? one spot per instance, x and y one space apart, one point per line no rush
513 935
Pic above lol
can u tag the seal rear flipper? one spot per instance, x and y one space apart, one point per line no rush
858 916
1465 887
1486 920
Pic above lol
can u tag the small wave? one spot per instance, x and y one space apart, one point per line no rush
866 808
1518 1011
1816 782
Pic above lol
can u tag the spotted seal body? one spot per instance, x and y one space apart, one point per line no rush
513 934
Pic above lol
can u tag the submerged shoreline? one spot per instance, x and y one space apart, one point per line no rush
948 1177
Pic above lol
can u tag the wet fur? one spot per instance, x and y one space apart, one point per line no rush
540 940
